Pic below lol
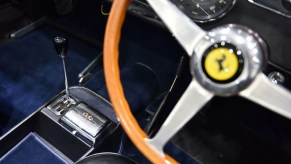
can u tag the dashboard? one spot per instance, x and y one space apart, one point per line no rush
205 11
269 18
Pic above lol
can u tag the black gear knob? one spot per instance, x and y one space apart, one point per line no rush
61 46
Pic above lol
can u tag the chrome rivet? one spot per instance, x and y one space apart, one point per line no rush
90 118
276 77
85 114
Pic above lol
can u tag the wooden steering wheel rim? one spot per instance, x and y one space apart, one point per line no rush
114 86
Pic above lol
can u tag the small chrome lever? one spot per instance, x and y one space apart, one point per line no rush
87 73
61 46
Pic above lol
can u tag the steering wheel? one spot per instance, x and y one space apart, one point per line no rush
225 61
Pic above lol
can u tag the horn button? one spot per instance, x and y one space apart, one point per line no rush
228 59
222 63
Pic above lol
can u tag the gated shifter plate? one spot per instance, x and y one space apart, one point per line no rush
61 105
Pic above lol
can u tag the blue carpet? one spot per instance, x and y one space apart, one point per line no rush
33 151
31 73
140 86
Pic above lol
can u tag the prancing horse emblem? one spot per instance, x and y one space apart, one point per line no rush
220 61
222 64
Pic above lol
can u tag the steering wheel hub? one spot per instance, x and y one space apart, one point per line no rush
223 68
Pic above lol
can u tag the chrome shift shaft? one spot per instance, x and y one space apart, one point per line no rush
61 46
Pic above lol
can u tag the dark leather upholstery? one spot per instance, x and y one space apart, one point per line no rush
106 158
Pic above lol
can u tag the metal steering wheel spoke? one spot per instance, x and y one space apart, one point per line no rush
193 99
274 97
182 27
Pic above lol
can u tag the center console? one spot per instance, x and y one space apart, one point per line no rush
66 129
71 131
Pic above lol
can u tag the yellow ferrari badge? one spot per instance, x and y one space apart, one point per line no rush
221 64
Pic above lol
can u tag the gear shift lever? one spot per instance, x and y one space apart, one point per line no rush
65 102
61 46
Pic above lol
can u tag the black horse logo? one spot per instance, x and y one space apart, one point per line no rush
220 61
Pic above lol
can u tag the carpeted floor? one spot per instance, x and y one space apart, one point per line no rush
31 71
31 150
